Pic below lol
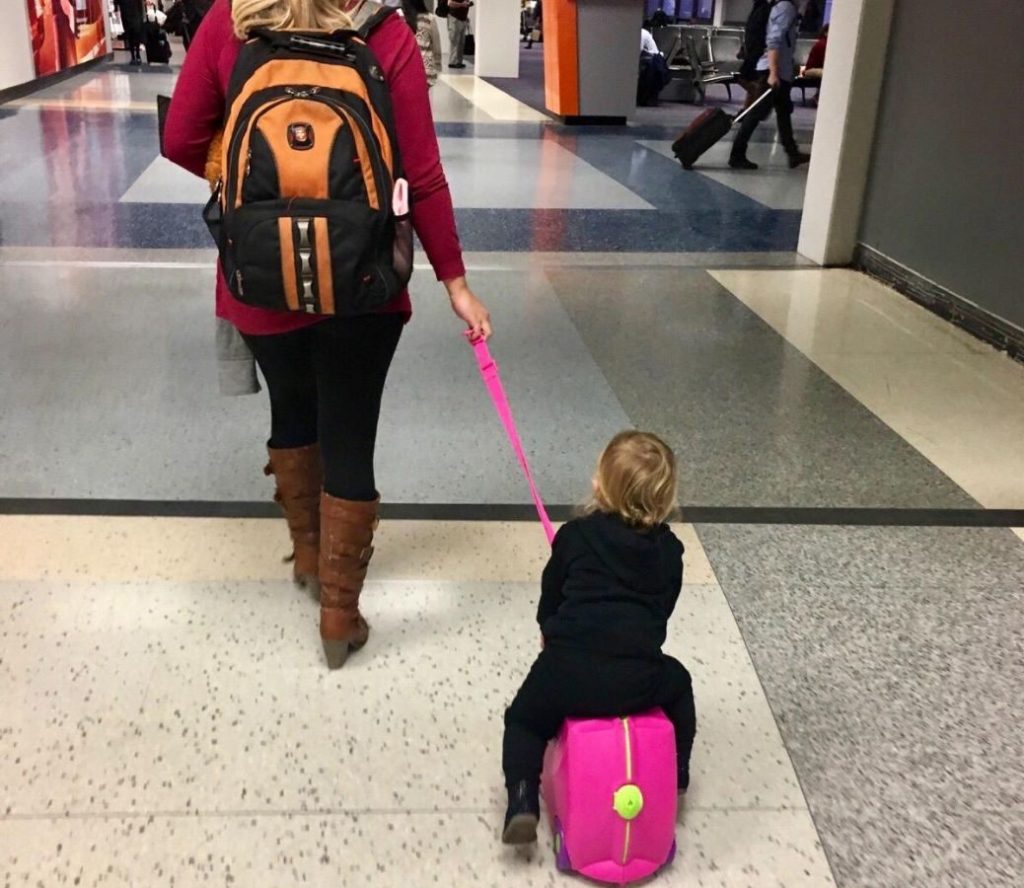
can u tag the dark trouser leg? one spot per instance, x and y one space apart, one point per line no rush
351 357
750 123
286 361
676 700
530 722
783 102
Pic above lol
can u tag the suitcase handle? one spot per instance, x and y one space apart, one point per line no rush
754 105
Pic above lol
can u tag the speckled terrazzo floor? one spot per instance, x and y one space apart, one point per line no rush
893 661
179 728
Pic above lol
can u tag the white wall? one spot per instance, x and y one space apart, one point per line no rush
844 130
16 66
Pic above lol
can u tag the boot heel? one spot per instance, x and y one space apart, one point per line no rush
336 652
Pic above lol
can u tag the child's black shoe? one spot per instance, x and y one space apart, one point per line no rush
523 814
683 782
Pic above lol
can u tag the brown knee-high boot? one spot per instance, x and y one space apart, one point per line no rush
346 546
299 477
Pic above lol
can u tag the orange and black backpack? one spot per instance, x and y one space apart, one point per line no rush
304 216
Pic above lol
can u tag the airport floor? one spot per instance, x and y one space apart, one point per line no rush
853 514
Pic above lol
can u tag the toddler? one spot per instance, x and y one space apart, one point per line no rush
606 595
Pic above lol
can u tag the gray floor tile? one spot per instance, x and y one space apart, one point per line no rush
774 185
753 421
946 558
146 421
892 661
927 849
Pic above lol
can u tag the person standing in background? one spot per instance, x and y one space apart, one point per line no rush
132 19
458 25
753 48
417 16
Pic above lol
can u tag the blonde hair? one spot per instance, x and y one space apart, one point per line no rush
636 480
290 15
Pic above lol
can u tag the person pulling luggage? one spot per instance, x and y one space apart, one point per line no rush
775 71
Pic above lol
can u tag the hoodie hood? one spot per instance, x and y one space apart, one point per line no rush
639 559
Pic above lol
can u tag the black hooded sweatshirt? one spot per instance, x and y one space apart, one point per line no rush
610 589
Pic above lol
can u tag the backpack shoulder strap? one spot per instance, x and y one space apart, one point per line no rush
369 15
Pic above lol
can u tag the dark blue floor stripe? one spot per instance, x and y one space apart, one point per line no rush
178 226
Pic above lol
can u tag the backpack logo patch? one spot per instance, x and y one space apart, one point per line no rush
300 136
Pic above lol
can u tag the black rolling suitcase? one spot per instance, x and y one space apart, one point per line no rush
158 47
708 129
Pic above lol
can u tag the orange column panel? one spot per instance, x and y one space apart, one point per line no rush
561 58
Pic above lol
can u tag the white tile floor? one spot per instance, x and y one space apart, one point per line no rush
183 726
548 177
164 182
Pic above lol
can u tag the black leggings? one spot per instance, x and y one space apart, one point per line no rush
326 382
564 684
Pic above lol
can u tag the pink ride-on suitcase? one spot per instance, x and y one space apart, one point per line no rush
610 790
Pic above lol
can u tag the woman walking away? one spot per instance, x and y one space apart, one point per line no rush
325 371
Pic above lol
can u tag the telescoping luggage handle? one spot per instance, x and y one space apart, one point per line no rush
764 97
492 381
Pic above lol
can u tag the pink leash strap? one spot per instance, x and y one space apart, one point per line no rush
492 380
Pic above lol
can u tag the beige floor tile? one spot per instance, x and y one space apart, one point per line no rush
958 401
496 103
736 849
198 696
199 549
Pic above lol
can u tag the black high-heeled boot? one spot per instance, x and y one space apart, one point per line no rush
523 814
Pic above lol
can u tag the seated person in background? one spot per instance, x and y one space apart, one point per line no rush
816 62
647 44
816 57
654 72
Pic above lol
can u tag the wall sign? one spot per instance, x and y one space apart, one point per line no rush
66 33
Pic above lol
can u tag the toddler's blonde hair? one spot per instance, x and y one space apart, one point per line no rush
290 15
636 480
